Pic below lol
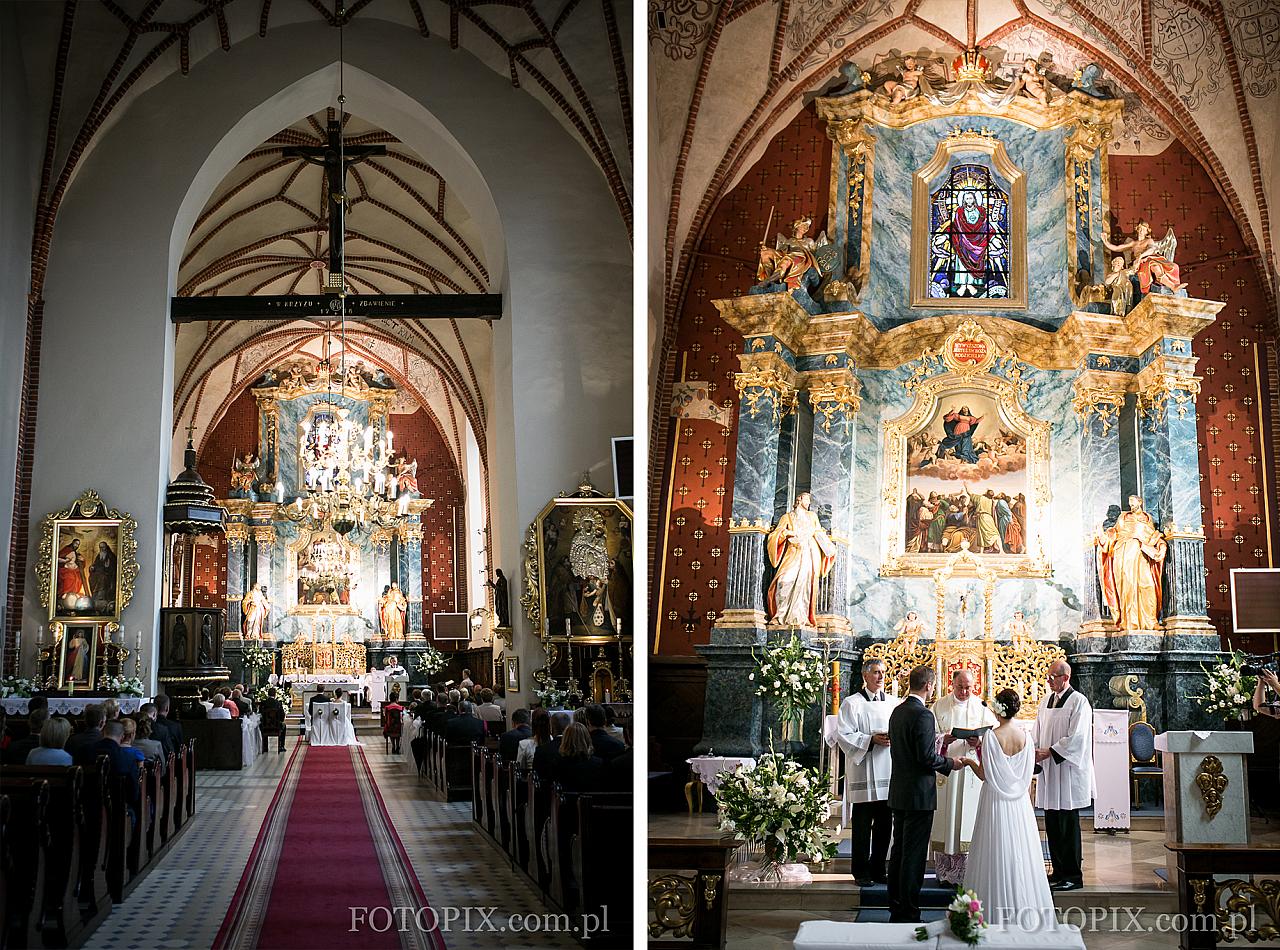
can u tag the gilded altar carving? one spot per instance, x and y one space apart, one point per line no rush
673 904
1104 402
305 656
1212 783
1164 393
833 392
766 381
1237 903
237 533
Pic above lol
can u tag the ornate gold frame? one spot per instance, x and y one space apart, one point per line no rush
534 598
964 375
966 142
88 510
304 539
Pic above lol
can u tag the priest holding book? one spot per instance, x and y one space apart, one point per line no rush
962 717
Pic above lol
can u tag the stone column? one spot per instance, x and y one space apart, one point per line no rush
268 425
264 540
1099 398
833 394
237 548
767 394
411 572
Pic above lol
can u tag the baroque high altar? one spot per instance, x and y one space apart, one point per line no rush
296 572
967 410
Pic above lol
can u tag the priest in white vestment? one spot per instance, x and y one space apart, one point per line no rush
863 736
958 792
1064 750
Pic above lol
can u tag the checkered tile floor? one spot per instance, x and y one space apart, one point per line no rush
181 902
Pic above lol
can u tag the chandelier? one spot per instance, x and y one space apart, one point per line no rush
329 559
347 476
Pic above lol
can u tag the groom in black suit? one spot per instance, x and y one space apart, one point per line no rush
913 793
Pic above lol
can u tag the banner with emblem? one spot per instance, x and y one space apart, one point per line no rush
692 400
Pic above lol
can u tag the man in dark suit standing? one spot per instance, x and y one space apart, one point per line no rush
913 793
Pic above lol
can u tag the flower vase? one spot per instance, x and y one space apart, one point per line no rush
771 864
793 733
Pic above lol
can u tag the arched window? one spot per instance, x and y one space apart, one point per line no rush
969 237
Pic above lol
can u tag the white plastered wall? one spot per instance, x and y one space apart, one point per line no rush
551 235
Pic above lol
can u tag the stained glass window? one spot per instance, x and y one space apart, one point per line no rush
969 236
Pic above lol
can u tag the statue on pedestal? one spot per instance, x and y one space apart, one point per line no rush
254 608
244 472
1130 565
790 259
803 554
501 601
1152 260
910 628
392 607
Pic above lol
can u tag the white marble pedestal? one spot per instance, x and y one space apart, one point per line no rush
1206 789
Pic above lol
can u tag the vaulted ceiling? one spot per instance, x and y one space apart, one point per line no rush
730 73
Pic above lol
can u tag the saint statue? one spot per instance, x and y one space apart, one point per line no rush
178 643
501 601
1118 287
254 608
244 472
803 554
1152 260
206 654
1021 633
1130 563
392 607
790 258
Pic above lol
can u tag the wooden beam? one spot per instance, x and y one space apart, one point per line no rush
328 307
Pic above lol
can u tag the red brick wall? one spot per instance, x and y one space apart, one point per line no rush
1167 189
236 432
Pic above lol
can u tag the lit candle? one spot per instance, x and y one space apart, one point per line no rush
568 626
139 643
619 625
389 434
71 686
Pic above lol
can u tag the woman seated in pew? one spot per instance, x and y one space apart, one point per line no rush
129 739
541 728
53 739
153 748
577 770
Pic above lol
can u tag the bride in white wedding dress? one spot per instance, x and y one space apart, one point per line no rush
1006 861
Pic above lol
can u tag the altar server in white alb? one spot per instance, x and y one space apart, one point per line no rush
864 737
958 792
1064 750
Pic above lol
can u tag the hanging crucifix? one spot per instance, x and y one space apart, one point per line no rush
336 157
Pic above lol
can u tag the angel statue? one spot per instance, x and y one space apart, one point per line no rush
910 628
244 473
1031 82
1021 633
1118 287
1152 260
906 82
791 259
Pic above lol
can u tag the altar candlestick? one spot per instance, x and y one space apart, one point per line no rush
568 627
71 686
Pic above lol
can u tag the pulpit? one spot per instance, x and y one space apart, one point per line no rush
1206 788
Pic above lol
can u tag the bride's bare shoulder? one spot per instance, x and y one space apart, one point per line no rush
1011 739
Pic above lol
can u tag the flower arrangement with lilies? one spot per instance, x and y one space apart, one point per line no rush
18 687
782 804
790 677
430 661
121 685
257 657
1228 691
965 917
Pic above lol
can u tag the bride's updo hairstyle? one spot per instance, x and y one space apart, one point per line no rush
1007 703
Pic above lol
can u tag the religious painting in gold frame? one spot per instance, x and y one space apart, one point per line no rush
77 653
87 564
578 569
512 674
971 459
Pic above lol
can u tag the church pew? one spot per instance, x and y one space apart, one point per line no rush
539 811
457 772
488 778
518 816
92 890
6 862
164 803
477 786
602 847
27 832
563 815
136 853
221 742
502 800
151 778
190 775
58 910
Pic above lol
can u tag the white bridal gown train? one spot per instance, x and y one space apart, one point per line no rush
1006 861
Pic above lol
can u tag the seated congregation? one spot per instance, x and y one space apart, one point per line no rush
550 788
88 805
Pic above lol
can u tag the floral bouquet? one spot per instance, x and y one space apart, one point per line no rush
430 661
790 677
16 686
782 804
551 697
1228 692
257 657
965 917
121 685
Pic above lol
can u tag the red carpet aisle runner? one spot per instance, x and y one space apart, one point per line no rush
326 846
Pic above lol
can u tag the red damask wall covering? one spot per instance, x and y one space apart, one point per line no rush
417 436
1236 362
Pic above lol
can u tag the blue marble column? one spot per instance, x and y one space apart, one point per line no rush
237 549
411 563
264 540
833 394
1098 401
1170 468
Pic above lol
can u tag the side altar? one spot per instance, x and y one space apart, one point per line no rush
324 525
969 401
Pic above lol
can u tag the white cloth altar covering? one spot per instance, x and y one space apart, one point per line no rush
331 725
72 705
709 768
